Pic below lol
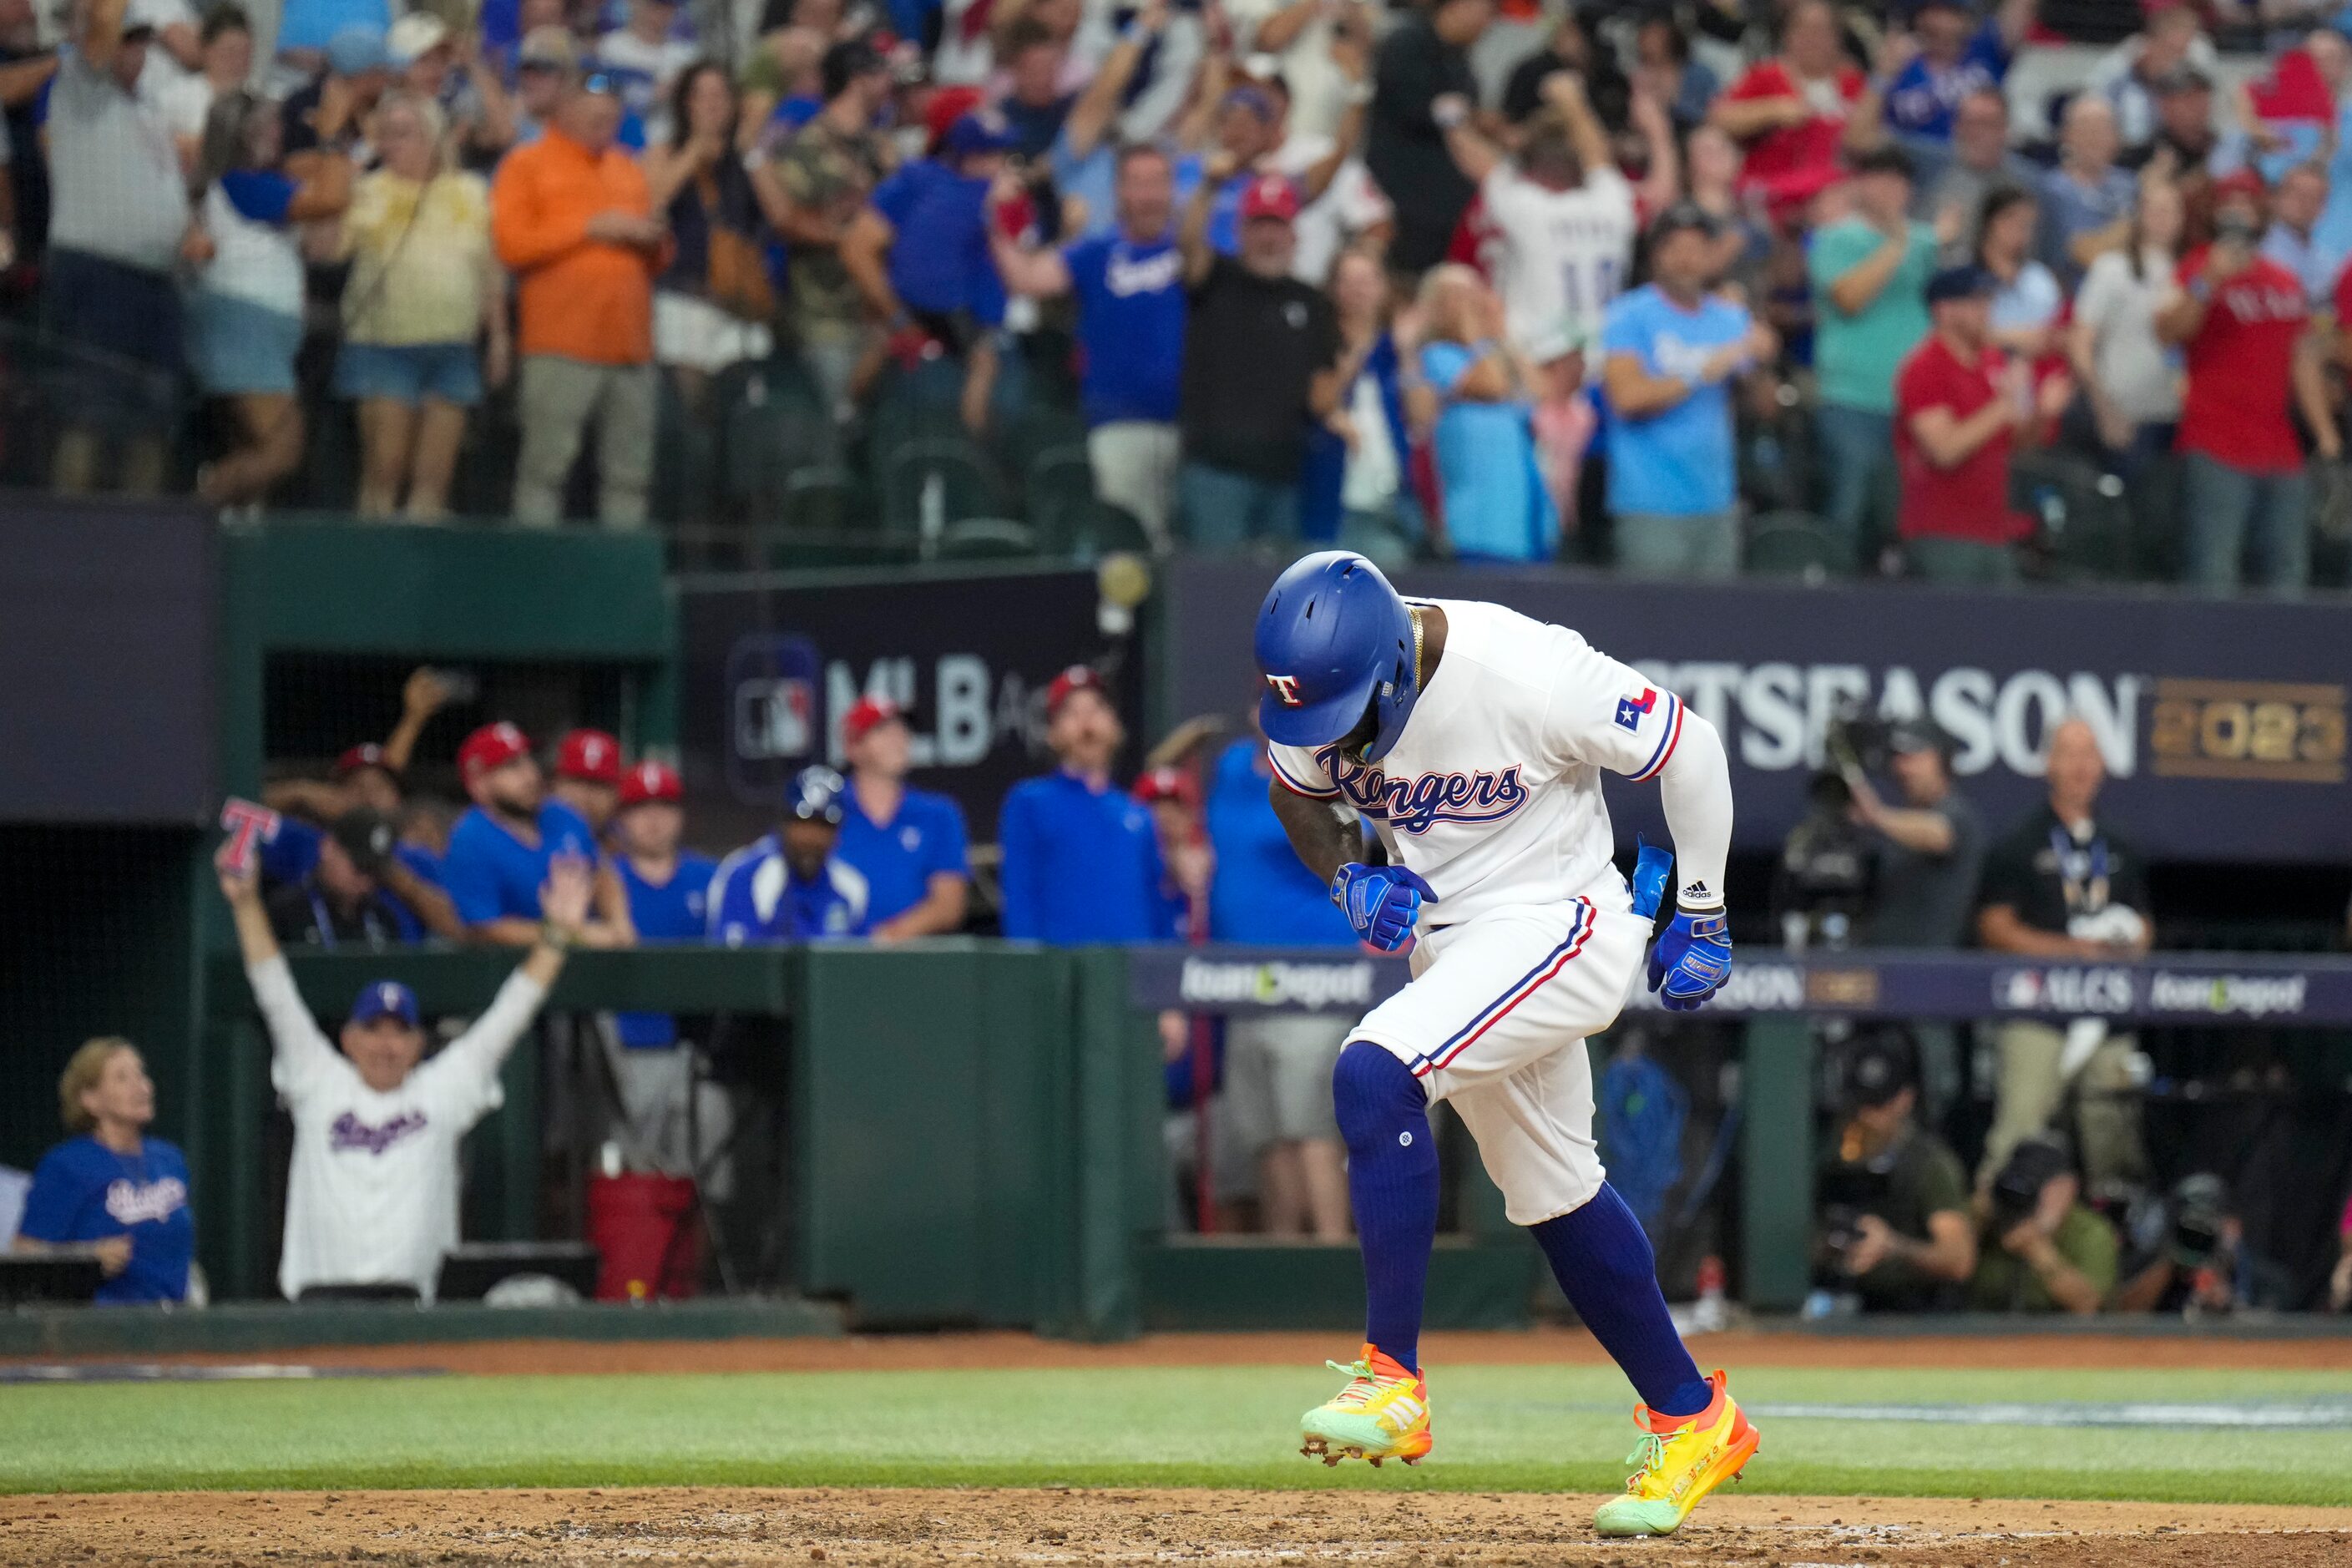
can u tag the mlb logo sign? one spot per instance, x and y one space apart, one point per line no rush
1632 710
774 718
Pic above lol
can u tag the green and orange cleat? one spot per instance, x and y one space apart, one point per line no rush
1678 1461
1382 1414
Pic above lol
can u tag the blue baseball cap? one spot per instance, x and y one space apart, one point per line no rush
385 999
1966 281
982 130
815 795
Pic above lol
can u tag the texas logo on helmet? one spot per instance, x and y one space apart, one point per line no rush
1287 688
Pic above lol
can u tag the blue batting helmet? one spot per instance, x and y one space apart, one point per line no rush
815 795
1333 640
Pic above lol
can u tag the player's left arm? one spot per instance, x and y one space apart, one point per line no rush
1605 713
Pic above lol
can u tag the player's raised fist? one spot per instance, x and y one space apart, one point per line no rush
1381 901
1691 960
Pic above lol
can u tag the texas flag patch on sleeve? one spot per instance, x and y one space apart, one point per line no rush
1632 710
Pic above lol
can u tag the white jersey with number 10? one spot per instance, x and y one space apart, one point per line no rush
1556 258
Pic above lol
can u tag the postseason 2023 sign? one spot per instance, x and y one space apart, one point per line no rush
773 665
2222 723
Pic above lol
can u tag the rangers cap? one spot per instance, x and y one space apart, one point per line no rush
865 715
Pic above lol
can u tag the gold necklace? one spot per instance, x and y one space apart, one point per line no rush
1416 645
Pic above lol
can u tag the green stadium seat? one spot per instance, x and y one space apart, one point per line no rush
1790 544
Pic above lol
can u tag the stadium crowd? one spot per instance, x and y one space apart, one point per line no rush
1678 287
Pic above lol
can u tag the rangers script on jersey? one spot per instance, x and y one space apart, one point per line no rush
1493 791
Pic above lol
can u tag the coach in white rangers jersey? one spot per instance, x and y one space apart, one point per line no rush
1472 740
372 1196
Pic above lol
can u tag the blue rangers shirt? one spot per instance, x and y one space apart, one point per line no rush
899 857
675 910
1261 891
754 897
85 1191
1082 866
492 875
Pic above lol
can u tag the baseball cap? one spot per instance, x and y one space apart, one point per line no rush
385 999
369 755
2182 78
981 131
1270 196
356 51
1887 159
1077 677
1966 281
1919 734
491 746
1881 1066
414 37
550 45
815 795
1257 100
591 757
2240 182
2030 1167
363 834
865 715
650 781
1682 216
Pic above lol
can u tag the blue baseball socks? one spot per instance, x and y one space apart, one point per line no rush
1602 1258
1598 1253
1392 1182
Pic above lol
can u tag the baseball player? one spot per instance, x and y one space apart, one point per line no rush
1473 739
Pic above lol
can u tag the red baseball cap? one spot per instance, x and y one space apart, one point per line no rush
369 755
1077 677
867 713
491 746
1270 195
2241 183
650 781
591 757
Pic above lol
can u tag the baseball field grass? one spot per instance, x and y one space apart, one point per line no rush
2279 1437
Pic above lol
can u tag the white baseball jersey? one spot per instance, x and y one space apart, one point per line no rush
1492 794
372 1196
1556 258
1493 791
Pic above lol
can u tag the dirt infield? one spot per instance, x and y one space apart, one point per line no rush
886 1529
924 1353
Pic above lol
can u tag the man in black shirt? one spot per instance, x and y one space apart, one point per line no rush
342 901
1259 347
1421 84
2061 887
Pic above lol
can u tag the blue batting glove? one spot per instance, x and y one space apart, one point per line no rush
1690 960
1382 902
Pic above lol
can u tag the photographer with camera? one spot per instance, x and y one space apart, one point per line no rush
2042 1249
1926 849
1895 1226
2186 1254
